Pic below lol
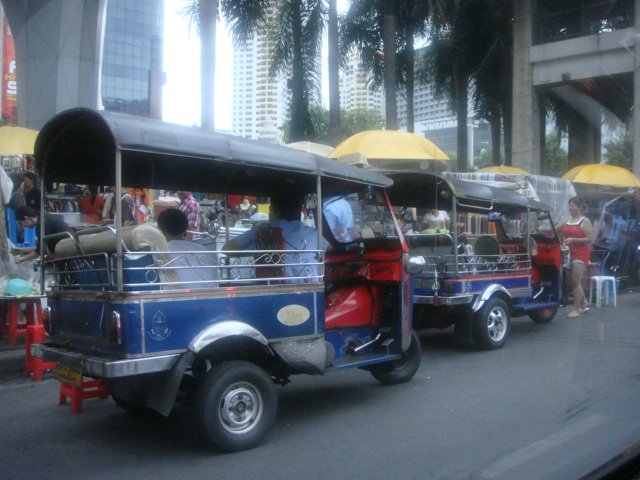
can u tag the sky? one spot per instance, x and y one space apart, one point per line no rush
181 100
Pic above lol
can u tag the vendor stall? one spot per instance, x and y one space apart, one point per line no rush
612 196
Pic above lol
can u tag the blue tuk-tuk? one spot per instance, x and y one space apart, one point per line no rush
499 259
119 311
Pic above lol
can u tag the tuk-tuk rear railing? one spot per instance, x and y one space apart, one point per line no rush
445 265
148 271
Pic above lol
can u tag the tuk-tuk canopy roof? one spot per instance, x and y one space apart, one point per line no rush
428 190
80 145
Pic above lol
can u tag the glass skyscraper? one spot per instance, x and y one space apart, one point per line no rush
132 55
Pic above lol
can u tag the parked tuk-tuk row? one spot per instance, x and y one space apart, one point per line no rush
284 299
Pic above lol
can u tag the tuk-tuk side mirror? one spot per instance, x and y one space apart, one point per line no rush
415 265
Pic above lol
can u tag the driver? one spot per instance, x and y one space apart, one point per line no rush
339 216
284 212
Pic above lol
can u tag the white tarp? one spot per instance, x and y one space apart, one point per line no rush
552 191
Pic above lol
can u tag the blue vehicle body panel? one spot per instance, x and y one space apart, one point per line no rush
169 323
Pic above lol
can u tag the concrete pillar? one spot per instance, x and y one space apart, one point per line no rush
526 112
58 56
635 122
583 140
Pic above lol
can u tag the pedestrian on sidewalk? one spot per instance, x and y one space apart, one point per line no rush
576 232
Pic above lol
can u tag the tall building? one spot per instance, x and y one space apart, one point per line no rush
132 57
356 90
258 102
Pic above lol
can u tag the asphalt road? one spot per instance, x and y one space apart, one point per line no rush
555 402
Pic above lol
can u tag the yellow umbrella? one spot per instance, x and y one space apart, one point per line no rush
603 174
390 148
17 140
502 169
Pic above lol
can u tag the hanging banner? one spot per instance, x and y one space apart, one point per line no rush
9 85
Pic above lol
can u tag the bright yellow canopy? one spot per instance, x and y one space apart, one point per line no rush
603 174
17 140
389 145
502 169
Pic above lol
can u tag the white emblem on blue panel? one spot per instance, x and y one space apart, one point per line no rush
159 329
292 315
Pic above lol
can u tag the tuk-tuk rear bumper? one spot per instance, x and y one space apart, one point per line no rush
104 368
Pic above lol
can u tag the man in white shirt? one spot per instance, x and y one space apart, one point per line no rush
195 270
284 213
437 220
339 216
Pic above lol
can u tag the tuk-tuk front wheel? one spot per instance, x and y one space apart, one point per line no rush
491 324
401 370
543 315
236 405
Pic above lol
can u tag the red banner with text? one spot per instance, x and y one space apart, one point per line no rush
9 90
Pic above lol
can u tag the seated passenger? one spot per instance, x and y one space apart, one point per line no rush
436 221
28 218
199 267
284 213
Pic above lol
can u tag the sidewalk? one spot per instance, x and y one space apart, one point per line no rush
12 359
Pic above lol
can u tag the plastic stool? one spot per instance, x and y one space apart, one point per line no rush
603 283
89 389
34 365
34 314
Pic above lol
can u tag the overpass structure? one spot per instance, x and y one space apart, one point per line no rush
59 55
582 56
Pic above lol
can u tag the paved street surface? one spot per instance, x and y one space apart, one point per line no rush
556 401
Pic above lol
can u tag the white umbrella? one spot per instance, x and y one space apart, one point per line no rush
317 148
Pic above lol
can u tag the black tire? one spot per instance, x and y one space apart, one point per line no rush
543 315
236 405
401 370
491 324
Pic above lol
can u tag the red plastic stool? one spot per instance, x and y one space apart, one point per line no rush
34 365
34 315
89 389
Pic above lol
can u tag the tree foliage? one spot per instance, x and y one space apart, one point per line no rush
620 151
555 161
353 121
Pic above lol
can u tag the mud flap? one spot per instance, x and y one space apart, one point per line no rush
162 394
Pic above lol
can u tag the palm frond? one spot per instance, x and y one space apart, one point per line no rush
190 10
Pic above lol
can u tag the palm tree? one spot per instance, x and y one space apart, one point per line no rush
203 14
446 66
334 72
296 38
412 21
361 32
389 41
493 77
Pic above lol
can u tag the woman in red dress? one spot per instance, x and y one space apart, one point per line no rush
577 234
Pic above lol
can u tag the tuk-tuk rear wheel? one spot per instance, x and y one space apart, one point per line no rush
236 404
401 370
491 324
